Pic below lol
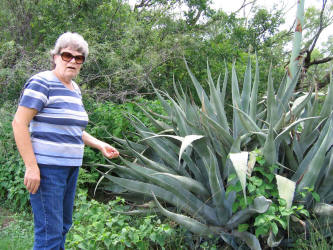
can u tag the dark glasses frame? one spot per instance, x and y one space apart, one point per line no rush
67 57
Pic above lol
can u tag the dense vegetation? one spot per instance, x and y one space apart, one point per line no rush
135 49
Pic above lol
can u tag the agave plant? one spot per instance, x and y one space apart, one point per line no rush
186 165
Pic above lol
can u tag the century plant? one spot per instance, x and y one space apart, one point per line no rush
195 156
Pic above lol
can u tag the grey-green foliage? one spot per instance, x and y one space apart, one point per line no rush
284 125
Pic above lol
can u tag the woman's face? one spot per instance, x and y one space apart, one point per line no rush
68 63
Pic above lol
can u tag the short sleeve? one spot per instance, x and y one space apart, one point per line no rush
35 94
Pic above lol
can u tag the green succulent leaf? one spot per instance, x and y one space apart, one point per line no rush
239 161
192 224
260 205
251 240
286 189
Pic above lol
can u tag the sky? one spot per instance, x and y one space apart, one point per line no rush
289 7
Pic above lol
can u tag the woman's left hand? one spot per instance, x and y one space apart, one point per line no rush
109 151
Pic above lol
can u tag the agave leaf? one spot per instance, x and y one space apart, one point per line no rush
180 119
161 146
165 104
230 240
191 185
260 205
140 212
191 224
246 121
200 91
186 141
323 209
269 149
150 163
250 239
271 241
292 162
121 171
225 82
246 91
193 167
239 161
217 104
287 130
158 124
328 103
174 186
298 106
314 149
251 163
283 105
306 142
271 103
294 63
100 180
313 170
223 134
282 88
313 109
137 146
326 185
286 189
218 193
147 189
181 99
254 93
236 102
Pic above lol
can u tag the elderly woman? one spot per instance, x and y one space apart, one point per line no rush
49 132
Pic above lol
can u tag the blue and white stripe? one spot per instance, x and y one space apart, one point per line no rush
56 130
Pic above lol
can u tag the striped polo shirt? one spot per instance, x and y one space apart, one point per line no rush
56 130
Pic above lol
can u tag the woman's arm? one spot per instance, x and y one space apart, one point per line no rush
106 149
21 132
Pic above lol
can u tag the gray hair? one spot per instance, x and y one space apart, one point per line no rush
72 40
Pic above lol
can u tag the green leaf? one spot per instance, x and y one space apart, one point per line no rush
256 181
275 228
263 230
316 196
242 227
282 222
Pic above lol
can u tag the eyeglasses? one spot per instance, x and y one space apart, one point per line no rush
67 57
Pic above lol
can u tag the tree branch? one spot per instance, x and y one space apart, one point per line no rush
320 61
244 4
320 29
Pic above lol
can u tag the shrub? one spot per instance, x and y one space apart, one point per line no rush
12 189
107 226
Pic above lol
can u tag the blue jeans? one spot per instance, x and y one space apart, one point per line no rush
52 206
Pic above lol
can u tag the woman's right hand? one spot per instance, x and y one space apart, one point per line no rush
32 179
